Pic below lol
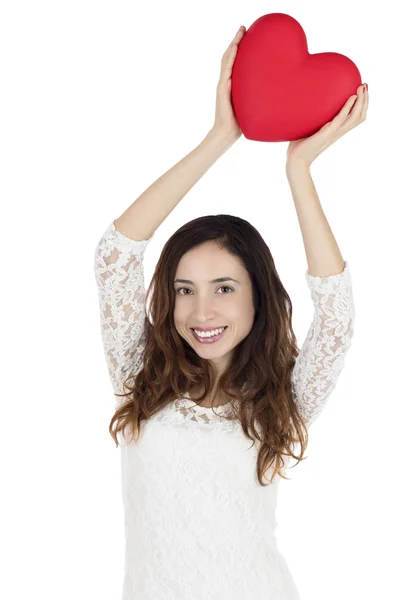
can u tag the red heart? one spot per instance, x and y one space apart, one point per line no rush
281 92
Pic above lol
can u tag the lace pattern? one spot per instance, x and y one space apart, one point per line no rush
118 267
328 340
184 410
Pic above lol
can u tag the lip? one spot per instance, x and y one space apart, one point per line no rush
205 329
212 340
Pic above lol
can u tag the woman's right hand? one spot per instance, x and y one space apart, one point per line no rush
225 124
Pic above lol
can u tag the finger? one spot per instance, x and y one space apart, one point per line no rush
240 33
365 105
356 111
227 63
348 108
236 40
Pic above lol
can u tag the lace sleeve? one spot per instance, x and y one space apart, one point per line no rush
118 266
321 358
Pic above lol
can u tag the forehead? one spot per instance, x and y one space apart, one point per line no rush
208 257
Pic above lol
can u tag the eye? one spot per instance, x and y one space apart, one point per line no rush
226 287
222 287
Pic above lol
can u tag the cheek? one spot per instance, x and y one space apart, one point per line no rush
245 319
241 311
180 315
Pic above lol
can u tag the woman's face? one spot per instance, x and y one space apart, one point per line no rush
200 303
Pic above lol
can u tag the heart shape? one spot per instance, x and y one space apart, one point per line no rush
280 92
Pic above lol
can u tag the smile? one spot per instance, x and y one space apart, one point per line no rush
208 339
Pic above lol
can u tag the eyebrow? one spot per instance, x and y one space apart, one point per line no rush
218 280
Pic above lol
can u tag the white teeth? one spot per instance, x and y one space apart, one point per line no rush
209 333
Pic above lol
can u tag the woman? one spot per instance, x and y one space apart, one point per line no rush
209 371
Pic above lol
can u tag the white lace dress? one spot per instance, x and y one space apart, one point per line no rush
198 524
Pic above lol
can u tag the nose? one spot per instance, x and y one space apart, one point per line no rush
203 310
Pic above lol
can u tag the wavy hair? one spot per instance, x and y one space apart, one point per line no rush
259 374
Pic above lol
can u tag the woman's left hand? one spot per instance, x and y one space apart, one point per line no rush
306 150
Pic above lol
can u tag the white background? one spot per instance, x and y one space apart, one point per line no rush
98 100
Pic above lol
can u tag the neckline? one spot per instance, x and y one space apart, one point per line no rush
199 407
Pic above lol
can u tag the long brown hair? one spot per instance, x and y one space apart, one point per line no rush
261 364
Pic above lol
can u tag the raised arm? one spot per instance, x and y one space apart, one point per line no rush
147 213
321 357
119 253
328 340
119 258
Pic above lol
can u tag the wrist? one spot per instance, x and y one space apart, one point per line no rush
297 166
221 138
